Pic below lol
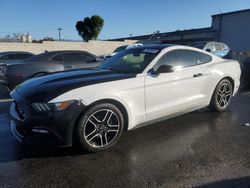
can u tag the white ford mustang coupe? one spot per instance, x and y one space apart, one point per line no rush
135 87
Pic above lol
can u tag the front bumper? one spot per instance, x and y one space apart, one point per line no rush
55 128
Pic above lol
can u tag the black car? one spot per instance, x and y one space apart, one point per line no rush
10 57
12 74
245 72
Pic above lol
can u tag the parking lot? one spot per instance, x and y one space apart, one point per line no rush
200 149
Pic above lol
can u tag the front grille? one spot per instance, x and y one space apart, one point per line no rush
19 110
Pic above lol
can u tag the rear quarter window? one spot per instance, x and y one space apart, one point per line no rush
78 57
57 58
203 58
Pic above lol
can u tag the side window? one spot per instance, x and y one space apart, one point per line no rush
16 56
203 58
69 57
57 58
89 58
22 56
77 57
178 59
4 57
209 47
12 57
183 58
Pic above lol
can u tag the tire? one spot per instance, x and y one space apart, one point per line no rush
100 127
222 96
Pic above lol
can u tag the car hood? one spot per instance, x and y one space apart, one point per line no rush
45 88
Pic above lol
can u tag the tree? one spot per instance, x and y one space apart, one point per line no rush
90 28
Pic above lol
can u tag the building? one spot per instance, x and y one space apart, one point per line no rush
232 28
177 37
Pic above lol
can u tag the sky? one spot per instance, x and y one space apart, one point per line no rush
122 17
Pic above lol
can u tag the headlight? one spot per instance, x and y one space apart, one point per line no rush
48 107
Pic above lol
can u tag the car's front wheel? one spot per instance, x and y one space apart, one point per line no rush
222 96
100 127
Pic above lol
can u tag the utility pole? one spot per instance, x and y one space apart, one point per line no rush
59 32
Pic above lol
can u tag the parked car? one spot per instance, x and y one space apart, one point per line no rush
217 48
9 57
120 49
125 47
19 71
135 87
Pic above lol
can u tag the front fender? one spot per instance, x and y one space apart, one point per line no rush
86 99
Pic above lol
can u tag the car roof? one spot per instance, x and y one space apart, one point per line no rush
45 56
14 52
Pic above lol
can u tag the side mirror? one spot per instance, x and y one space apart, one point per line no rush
163 69
208 50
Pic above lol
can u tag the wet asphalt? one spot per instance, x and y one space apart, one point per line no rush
199 149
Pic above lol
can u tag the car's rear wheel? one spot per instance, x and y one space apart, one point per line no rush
100 127
222 96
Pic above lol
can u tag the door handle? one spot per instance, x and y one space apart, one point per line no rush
197 75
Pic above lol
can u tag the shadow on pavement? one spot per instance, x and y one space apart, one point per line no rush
231 183
133 143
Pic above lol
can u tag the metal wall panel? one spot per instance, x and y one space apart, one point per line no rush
234 30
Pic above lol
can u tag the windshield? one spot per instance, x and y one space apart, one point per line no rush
131 61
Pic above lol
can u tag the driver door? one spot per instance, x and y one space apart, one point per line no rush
173 92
